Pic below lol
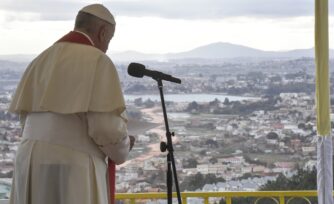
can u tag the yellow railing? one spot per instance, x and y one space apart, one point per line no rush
278 197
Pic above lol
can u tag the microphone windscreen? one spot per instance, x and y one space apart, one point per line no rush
136 69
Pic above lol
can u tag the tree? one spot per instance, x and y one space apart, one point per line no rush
212 143
302 180
198 180
193 106
140 171
192 183
149 103
156 178
138 101
189 163
213 160
272 136
302 126
214 102
226 101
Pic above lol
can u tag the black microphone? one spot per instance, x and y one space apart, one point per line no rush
139 70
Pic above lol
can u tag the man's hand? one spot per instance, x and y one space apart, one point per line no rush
132 141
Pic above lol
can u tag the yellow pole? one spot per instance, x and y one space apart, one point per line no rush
321 61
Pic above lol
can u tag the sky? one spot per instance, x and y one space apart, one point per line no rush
165 26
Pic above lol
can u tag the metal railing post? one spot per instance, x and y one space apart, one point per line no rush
206 200
228 200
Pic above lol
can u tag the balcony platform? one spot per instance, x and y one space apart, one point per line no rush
279 197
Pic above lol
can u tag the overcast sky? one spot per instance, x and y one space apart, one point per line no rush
163 26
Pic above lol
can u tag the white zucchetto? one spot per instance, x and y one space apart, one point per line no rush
99 11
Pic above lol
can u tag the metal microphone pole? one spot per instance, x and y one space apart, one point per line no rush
171 169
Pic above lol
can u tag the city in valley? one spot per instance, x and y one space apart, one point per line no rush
238 123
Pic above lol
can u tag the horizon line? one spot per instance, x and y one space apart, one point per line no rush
165 53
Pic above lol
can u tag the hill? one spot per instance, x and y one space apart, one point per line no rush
214 51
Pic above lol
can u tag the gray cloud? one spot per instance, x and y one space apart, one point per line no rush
45 9
176 9
213 9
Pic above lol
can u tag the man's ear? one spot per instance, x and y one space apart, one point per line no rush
102 33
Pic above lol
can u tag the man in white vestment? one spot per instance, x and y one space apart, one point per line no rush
73 117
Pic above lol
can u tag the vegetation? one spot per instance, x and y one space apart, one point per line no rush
238 108
234 107
300 87
192 183
302 180
189 163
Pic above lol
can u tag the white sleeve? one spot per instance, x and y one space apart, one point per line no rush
109 132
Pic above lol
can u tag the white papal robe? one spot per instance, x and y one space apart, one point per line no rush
73 118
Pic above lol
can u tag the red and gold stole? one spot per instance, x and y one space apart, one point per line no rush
76 37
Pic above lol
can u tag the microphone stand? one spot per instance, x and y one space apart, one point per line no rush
171 169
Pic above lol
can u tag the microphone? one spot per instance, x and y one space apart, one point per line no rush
139 70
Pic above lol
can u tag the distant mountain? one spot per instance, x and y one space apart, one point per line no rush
217 50
222 50
12 65
17 58
304 53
